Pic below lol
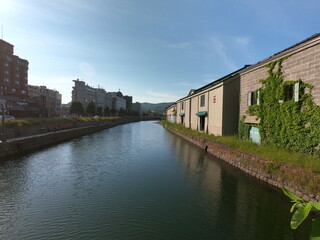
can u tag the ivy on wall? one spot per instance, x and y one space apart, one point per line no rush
290 124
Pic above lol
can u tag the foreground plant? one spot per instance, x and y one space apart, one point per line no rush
301 210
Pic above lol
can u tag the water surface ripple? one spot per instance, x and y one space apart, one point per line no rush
136 181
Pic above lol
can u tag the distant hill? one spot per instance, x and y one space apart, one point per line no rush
155 107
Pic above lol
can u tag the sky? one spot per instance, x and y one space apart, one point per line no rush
153 50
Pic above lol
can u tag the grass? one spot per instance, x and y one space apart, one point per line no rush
56 120
272 153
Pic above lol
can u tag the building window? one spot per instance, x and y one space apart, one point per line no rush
13 90
253 98
6 80
202 100
6 72
17 82
182 105
291 92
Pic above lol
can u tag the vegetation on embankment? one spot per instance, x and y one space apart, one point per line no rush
275 154
298 172
56 120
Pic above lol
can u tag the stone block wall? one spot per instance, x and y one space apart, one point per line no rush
303 63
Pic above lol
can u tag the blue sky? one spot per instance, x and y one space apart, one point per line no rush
153 50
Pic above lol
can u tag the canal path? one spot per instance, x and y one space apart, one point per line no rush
137 181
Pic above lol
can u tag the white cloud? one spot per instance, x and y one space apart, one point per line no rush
220 49
179 45
242 41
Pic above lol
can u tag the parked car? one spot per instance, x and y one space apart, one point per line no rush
8 117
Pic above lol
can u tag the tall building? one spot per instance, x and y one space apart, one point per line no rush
13 72
83 93
14 82
128 102
118 102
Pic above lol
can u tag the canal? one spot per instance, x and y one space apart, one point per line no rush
136 181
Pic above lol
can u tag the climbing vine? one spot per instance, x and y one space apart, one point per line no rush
284 121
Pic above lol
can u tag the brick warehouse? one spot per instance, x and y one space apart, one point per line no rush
300 62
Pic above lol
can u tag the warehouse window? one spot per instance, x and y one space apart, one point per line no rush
202 100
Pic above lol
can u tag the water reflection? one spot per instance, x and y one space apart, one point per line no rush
136 181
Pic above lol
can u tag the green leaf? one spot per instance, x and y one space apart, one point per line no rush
294 206
300 215
291 195
315 205
315 233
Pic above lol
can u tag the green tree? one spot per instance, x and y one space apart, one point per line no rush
113 112
76 108
122 112
106 112
91 109
100 111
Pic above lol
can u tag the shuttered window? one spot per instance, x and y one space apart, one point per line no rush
253 98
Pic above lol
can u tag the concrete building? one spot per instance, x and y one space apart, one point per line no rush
128 102
83 93
14 82
299 62
213 108
49 100
13 72
137 108
100 100
171 113
118 102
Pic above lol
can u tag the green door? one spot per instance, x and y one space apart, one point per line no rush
255 135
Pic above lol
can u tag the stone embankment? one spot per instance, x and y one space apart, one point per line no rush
302 182
21 145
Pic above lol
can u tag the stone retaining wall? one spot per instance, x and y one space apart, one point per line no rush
275 174
30 143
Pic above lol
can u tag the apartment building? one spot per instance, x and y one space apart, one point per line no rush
14 81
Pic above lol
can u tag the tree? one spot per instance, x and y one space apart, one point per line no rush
76 108
113 112
91 109
121 112
106 112
99 111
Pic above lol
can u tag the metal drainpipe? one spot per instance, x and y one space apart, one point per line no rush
189 112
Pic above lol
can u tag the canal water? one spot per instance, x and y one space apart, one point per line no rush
136 181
